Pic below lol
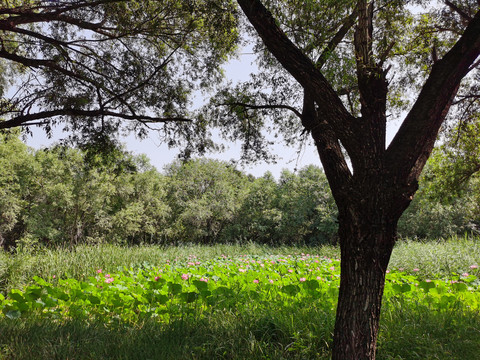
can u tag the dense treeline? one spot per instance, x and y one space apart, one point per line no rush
65 196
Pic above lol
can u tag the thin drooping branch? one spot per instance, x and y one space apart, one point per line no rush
410 148
28 119
265 106
29 15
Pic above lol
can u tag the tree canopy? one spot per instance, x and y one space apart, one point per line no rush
98 67
407 39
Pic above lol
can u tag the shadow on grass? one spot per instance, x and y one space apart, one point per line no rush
293 333
422 333
223 335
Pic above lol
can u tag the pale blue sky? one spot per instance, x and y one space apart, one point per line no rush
160 155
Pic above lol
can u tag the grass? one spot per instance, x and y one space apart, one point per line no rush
437 258
296 331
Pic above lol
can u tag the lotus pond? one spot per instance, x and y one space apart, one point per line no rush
195 288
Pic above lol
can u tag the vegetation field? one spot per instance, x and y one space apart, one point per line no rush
229 302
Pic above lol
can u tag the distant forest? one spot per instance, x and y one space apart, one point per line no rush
62 196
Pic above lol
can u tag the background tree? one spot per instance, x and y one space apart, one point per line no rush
15 168
448 197
378 46
308 212
204 196
64 196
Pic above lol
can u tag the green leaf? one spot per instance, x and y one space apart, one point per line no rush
426 285
224 291
94 299
460 287
401 288
311 284
200 285
17 295
189 297
161 299
40 281
33 292
13 314
174 288
291 290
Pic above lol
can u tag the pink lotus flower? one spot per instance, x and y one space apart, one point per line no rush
109 280
290 271
107 275
256 281
332 268
99 271
242 270
416 269
270 281
184 276
204 279
302 279
465 274
473 267
157 278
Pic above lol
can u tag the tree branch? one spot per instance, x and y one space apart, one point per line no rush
339 36
28 15
26 119
330 106
251 106
459 11
409 150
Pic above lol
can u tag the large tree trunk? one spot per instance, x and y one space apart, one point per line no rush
366 241
371 193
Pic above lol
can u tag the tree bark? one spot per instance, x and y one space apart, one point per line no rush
366 242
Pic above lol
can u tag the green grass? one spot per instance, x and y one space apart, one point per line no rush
297 330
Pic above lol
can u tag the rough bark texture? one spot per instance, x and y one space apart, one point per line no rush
365 254
367 232
372 197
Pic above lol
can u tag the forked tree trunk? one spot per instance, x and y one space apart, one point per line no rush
366 244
